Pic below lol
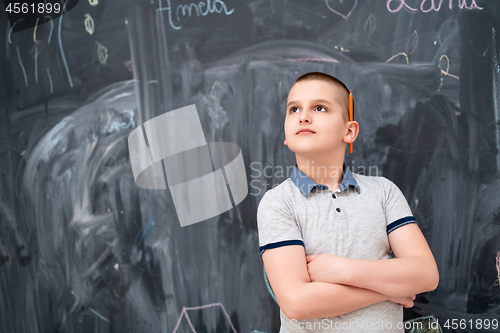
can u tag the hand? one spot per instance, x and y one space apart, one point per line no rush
406 302
325 267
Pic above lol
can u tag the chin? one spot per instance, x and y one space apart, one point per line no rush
304 151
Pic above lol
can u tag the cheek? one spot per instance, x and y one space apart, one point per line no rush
333 132
288 126
287 129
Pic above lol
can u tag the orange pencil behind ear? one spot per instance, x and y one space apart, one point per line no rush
351 115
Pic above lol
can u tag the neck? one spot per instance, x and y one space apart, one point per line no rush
326 169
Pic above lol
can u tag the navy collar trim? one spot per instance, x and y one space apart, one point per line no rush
306 184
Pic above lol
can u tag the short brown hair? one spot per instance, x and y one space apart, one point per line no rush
328 78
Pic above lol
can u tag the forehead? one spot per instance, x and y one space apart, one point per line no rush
317 89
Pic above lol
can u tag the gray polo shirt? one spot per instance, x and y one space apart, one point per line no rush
352 222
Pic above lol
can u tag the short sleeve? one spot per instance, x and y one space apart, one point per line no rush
276 223
397 210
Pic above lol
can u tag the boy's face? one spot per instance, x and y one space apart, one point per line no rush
320 107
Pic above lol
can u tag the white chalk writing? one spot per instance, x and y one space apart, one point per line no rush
429 5
202 8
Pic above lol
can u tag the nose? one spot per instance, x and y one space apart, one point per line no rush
305 117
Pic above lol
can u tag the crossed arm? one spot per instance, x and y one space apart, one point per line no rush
305 286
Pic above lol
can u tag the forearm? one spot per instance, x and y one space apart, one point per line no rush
393 277
322 299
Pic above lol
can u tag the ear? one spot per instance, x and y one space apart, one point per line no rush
285 142
352 132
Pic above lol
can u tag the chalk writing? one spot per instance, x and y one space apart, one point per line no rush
12 28
212 6
36 64
51 28
66 67
370 25
50 81
98 315
102 53
497 282
34 30
314 59
22 67
399 55
429 5
401 4
89 24
412 43
184 313
341 48
128 64
341 13
304 9
445 71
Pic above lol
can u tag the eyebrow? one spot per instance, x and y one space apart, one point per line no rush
314 100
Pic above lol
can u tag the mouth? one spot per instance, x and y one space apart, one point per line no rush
305 132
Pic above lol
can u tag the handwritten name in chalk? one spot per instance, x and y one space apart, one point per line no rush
202 8
426 6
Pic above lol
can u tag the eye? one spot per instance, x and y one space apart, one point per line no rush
320 107
293 109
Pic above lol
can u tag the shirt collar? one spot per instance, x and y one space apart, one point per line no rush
306 184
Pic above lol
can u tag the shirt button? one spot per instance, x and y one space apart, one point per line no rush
333 196
338 210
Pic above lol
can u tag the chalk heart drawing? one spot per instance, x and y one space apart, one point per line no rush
176 148
343 8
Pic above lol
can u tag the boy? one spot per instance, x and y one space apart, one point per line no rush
324 233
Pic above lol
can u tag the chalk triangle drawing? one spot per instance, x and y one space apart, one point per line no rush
186 309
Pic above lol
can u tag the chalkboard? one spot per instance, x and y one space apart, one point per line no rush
84 249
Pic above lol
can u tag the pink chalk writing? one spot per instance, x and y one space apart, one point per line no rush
497 282
184 314
426 6
339 12
314 59
401 4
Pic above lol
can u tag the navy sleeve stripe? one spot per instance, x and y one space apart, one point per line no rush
278 244
401 222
